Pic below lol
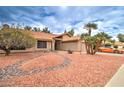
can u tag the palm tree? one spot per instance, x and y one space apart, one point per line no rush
103 36
90 26
89 40
92 43
83 35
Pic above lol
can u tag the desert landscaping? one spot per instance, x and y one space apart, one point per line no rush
55 47
57 69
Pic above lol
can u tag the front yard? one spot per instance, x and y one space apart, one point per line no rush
57 69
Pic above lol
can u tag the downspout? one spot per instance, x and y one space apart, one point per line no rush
81 48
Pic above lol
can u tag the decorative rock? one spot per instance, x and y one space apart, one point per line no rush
13 70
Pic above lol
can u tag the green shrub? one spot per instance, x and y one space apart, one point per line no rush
115 46
107 45
70 51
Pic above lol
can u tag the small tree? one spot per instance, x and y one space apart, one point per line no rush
104 37
92 43
27 28
121 37
35 29
46 30
71 32
12 38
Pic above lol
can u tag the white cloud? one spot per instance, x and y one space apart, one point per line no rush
64 7
64 17
115 38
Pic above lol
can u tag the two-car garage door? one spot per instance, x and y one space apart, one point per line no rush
69 46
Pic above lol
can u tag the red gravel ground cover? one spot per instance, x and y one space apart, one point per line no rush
84 70
15 57
47 60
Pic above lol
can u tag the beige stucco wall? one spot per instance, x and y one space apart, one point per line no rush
72 45
50 46
53 45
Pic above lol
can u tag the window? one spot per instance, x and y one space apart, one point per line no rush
41 44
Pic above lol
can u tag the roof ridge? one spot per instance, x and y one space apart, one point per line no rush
44 33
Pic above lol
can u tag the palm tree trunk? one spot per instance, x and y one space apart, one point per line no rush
87 47
89 32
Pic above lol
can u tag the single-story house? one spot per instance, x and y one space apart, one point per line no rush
64 42
51 42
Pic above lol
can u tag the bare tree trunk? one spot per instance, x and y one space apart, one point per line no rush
7 52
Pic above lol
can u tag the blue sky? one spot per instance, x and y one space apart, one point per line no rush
109 19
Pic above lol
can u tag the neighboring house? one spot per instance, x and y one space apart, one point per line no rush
120 45
51 42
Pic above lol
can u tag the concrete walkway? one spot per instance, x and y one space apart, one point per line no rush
111 54
118 79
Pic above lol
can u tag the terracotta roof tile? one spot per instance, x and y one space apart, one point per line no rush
49 36
63 35
43 35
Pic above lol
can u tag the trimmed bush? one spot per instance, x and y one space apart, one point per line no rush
70 51
115 46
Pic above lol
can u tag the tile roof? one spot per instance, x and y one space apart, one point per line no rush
69 38
50 37
64 34
43 35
